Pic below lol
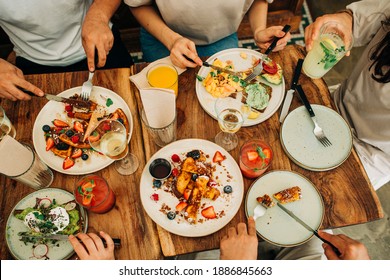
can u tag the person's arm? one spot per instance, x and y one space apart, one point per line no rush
12 81
262 35
178 45
240 243
92 247
349 249
96 33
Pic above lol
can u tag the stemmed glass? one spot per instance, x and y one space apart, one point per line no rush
231 114
6 127
111 139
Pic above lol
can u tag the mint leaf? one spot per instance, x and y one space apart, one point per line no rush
259 150
109 102
199 78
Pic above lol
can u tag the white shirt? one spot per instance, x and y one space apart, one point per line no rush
202 21
46 32
363 102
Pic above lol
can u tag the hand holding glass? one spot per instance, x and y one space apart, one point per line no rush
111 139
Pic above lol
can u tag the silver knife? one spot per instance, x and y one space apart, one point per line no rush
205 63
289 93
75 102
117 241
306 226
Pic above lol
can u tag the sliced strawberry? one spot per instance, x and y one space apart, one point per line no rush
187 193
76 153
68 108
95 136
267 152
75 138
88 186
209 213
154 197
60 123
68 163
175 158
87 199
252 156
181 206
218 157
270 67
78 126
49 143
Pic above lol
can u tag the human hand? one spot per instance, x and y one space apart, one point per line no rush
96 36
12 80
349 248
313 30
264 37
93 247
182 48
240 243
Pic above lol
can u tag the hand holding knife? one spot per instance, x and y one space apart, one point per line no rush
289 94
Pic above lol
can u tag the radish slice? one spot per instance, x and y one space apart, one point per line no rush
70 206
44 202
40 251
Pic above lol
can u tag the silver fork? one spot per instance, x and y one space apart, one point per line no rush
87 88
318 131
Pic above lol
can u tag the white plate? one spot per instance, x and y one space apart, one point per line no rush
58 251
207 101
276 226
302 146
229 203
53 110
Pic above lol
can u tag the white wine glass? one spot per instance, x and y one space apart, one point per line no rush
6 127
111 139
231 114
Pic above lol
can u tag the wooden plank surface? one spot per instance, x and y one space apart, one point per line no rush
127 221
347 193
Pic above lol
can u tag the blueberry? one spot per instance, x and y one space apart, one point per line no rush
46 128
69 133
194 176
120 120
171 215
195 154
62 146
228 189
157 184
84 156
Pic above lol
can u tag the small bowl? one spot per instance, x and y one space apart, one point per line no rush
160 168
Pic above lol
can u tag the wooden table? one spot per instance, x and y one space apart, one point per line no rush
127 221
349 197
347 193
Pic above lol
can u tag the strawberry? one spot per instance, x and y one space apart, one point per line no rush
218 157
252 156
154 197
87 199
70 114
75 138
78 126
267 152
76 153
68 108
181 206
59 123
49 143
187 193
175 158
175 172
209 213
68 163
106 126
88 186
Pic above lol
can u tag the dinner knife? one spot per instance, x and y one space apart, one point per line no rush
306 226
75 102
289 93
117 241
205 63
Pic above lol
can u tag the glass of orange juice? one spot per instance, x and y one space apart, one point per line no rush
93 193
163 76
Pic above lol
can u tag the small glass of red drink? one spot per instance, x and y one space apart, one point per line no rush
255 157
93 193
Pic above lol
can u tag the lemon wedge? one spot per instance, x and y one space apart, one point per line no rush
253 115
329 43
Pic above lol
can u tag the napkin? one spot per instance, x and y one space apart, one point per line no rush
15 157
159 106
140 79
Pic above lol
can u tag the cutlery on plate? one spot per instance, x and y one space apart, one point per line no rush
318 131
259 211
257 70
117 241
75 102
306 226
289 93
87 87
230 72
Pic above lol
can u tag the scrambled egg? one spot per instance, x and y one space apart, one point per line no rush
220 84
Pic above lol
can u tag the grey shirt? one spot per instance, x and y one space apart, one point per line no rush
363 102
202 21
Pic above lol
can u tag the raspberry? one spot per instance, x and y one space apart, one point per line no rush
175 158
75 138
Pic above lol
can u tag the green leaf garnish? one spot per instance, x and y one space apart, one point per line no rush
199 78
109 102
259 150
